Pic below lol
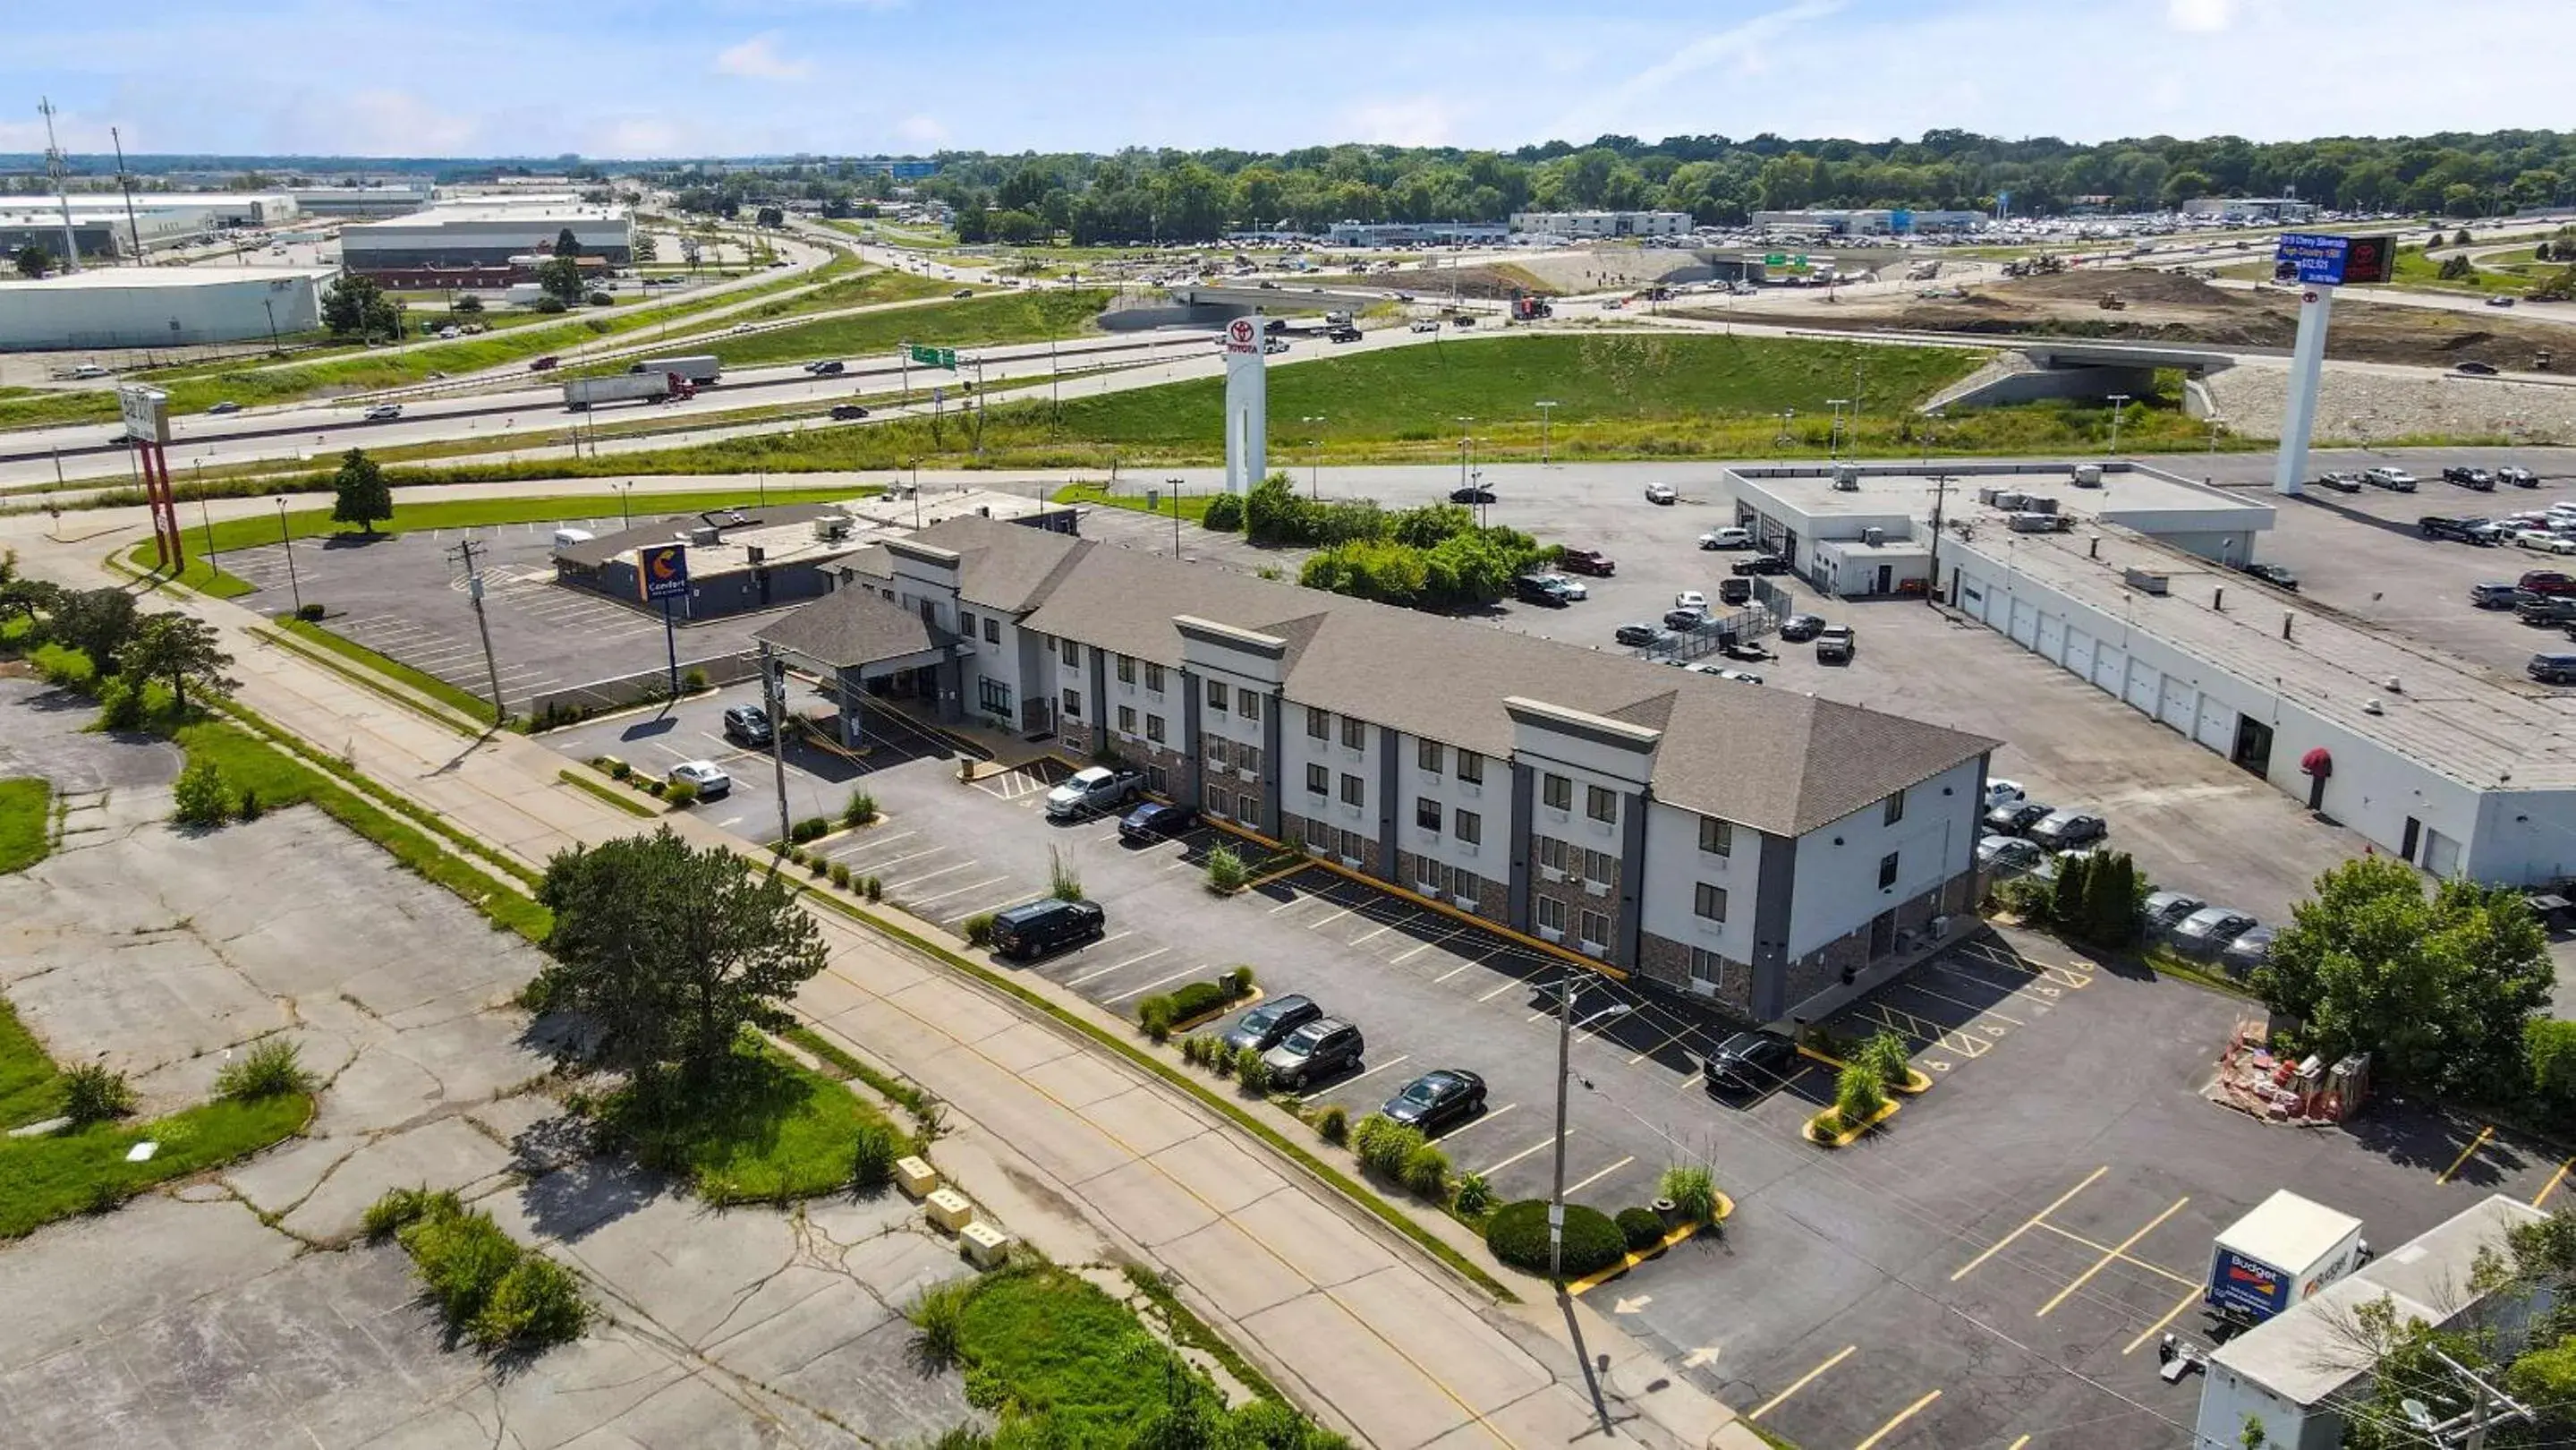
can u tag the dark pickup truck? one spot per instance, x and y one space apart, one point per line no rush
2466 477
2466 531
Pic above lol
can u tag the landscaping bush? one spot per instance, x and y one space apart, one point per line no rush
1641 1229
1063 882
861 809
977 928
538 1302
1225 871
1693 1190
680 793
1250 1070
1194 1048
1335 1124
818 865
1385 1146
1221 1061
248 807
1475 1196
876 892
1426 1172
270 1069
872 1166
841 875
1858 1096
1238 980
200 797
1198 999
657 788
1224 514
309 613
812 828
1154 1017
1517 1235
2028 898
120 705
2550 1047
399 1209
1885 1055
94 1092
548 303
620 769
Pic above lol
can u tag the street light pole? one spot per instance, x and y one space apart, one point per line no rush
2118 402
1546 409
1565 992
1834 429
1315 466
287 539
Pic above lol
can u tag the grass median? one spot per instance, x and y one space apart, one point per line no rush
762 1129
56 1175
26 822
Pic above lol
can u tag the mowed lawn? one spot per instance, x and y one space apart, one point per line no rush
994 317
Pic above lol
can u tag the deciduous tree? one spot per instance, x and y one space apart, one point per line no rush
176 650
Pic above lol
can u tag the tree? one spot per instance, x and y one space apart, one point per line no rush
644 248
33 262
175 649
360 494
2437 988
468 303
560 277
566 244
356 306
673 951
97 622
22 595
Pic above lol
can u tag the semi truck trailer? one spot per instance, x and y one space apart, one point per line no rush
699 368
581 394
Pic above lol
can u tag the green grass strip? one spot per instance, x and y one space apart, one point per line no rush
57 1175
30 1088
1190 1330
464 702
26 822
923 1107
1349 1187
413 516
765 1129
623 800
140 563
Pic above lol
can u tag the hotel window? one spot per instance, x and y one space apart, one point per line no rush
1426 813
1248 757
1154 678
1557 792
1887 870
1319 781
1319 723
1551 853
993 695
1154 780
1126 720
1427 753
1600 803
1354 791
1895 809
1126 669
1219 749
1355 845
1247 704
1469 826
1594 928
1069 651
1551 913
1218 802
1354 732
1471 767
1216 696
992 631
1601 868
1707 966
1073 704
1154 728
1710 902
966 623
1716 837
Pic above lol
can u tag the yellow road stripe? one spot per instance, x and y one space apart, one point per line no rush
1908 1413
2017 1444
2475 1144
2158 1327
1800 1383
2551 1186
2129 1259
2105 1261
1998 1246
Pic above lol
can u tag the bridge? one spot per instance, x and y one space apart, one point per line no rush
1283 298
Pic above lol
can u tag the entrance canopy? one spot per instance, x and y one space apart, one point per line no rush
853 631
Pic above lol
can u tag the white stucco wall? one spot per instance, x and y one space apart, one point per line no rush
1675 866
1837 888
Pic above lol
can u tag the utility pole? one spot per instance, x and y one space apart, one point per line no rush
482 624
1566 988
1546 410
2488 1408
287 539
2119 401
54 165
1940 495
125 184
773 691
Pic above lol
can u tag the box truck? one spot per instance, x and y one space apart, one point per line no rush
700 369
2285 1250
580 394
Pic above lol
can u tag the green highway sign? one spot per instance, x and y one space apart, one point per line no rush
1775 259
935 357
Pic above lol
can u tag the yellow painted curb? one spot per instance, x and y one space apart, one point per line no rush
1915 1083
1204 1018
1847 1136
1725 1207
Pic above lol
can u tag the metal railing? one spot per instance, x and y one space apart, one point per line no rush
1760 616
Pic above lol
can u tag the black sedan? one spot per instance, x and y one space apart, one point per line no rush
1759 564
1477 494
1435 1100
2274 575
1636 635
1268 1025
1749 1061
1155 820
1800 627
2017 817
844 412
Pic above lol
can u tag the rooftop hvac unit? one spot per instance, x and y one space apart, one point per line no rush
1873 537
2009 499
2088 475
832 527
1846 478
708 535
2145 581
2024 522
2038 505
1987 496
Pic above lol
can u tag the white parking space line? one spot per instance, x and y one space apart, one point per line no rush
1604 1173
864 845
1157 982
1536 1147
1505 987
1117 967
893 860
1474 1123
929 876
1011 900
1293 901
1369 936
1355 1077
1319 923
960 891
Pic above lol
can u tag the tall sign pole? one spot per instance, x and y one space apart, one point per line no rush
2316 265
662 575
146 413
1247 405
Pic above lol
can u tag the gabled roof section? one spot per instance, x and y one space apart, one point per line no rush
851 627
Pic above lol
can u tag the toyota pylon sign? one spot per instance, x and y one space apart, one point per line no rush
1243 335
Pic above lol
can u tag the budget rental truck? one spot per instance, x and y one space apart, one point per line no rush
581 394
2285 1250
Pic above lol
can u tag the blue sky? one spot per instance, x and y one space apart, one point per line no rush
729 77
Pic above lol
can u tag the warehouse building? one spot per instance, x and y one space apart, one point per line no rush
448 236
102 226
1876 221
1416 234
1589 226
159 306
373 199
1774 853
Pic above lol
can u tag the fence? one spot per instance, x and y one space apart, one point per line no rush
635 689
1770 605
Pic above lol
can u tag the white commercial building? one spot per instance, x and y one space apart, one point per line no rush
2250 208
1876 221
2432 758
1601 225
104 227
462 235
374 198
159 306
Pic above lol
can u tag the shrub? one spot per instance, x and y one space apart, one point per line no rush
1224 514
548 303
1197 999
1641 1229
1693 1191
462 1257
1063 882
1221 1061
1858 1096
1385 1146
1475 1196
861 809
272 1068
120 705
200 797
657 788
1238 981
1225 871
1335 1125
309 613
812 828
680 793
1154 1016
876 892
1426 1172
2550 1046
400 1208
1885 1055
872 1166
538 1302
1250 1070
619 769
693 682
2028 898
93 1092
818 865
1517 1235
978 928
939 1327
248 807
841 874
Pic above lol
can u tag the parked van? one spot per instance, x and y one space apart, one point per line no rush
566 538
1042 928
2552 669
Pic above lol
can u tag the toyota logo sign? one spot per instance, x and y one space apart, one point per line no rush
1242 336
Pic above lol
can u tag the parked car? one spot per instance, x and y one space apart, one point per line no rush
2164 910
2474 368
2545 541
1273 346
709 779
1437 1099
1749 1062
2250 950
2494 596
1424 324
226 406
748 724
2552 669
2395 480
2467 477
2062 830
2551 582
1734 591
2340 482
2016 817
847 412
1685 617
1729 537
1836 644
1036 929
2206 932
961 294
2009 855
1463 320
2001 792
2518 477
1542 589
1474 493
1156 820
1741 677
1799 628
383 412
2274 575
1662 493
1094 789
1319 1049
2500 300
1266 1026
1566 584
544 364
1636 636
1586 561
2546 610
1760 564
2444 526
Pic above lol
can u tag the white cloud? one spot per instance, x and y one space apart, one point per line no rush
922 131
1410 121
635 137
1740 46
398 123
758 59
2200 15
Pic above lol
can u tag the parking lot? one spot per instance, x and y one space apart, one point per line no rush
404 596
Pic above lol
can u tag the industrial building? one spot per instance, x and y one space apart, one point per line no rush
459 235
2251 208
103 227
1772 852
1868 221
373 199
159 306
1416 234
1588 226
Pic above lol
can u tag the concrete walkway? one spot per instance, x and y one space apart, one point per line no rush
1078 1152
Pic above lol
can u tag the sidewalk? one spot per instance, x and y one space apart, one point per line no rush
1085 1155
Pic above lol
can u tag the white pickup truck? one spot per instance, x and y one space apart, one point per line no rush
1096 789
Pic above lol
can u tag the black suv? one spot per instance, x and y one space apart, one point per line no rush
1539 589
1319 1049
2552 669
1266 1026
1759 564
2466 531
1749 1061
2274 575
2546 610
748 724
1475 494
2476 478
1041 928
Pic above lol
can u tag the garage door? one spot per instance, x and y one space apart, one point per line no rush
2180 705
2052 638
2025 621
2217 726
2144 682
2110 668
2079 654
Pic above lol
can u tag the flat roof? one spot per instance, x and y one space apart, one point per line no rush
110 278
2448 715
2288 1232
2131 491
443 214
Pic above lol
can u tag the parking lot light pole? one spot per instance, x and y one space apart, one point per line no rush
287 539
1566 989
1546 408
625 496
1834 429
2119 402
1315 460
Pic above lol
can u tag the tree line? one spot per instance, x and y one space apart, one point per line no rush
1142 195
